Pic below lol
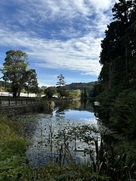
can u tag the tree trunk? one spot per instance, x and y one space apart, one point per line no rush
110 76
14 92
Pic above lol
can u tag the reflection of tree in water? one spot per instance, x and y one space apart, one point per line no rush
84 103
74 105
63 106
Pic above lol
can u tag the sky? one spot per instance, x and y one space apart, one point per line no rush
59 36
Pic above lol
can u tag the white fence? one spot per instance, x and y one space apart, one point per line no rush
21 94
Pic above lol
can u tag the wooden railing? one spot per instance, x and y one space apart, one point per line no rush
4 101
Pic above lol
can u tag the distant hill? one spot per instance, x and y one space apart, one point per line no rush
81 86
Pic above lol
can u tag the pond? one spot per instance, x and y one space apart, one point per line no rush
65 135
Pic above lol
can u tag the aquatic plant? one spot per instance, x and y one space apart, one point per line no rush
104 161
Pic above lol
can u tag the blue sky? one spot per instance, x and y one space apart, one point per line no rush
59 36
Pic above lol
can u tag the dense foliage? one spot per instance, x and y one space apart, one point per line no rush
116 87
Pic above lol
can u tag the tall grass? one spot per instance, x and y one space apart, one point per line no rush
12 150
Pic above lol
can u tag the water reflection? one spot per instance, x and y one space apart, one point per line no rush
61 135
77 115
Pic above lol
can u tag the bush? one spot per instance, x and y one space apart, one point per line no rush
123 114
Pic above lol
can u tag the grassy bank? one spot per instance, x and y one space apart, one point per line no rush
12 150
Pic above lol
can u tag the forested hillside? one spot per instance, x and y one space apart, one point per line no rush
81 86
85 88
116 87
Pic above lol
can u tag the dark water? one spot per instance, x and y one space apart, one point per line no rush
60 135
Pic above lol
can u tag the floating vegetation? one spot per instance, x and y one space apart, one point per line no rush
61 140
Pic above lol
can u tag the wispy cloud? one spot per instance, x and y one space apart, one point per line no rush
75 54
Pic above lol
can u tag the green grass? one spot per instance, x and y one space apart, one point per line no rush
12 150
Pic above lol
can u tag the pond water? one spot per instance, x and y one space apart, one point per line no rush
65 135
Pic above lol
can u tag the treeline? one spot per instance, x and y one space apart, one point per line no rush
67 91
116 86
86 89
70 91
81 86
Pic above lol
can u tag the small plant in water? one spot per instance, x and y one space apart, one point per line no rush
79 152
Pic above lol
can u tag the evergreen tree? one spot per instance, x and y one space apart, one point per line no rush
61 81
60 86
117 46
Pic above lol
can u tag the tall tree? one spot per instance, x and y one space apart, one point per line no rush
111 53
60 86
61 81
30 83
132 63
15 70
116 45
122 13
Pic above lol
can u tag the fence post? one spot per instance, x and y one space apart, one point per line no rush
0 101
9 101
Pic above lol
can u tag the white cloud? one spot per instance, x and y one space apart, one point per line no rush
101 5
75 54
75 46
